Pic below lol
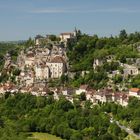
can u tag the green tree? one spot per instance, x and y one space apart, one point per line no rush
64 79
123 34
16 72
64 104
106 137
82 96
89 132
30 42
135 125
76 136
114 129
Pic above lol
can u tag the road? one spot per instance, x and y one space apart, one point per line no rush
129 131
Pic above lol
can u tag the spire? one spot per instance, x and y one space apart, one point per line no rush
75 31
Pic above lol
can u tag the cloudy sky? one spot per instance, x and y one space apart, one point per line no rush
20 19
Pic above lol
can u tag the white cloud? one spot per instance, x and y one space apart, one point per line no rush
117 10
111 10
48 11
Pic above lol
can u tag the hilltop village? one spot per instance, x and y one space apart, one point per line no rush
38 67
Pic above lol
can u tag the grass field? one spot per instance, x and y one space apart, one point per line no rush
44 136
130 137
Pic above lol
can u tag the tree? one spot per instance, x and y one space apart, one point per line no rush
1 123
100 44
123 59
16 72
133 102
30 42
88 104
78 34
117 79
50 99
89 132
67 133
123 34
64 104
114 129
61 129
41 102
82 96
64 79
52 37
49 46
136 81
76 136
106 137
135 125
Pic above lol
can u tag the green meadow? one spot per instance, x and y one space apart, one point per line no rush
43 136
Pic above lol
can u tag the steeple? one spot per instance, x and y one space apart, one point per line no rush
75 31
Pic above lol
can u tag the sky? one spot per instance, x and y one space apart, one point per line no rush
21 19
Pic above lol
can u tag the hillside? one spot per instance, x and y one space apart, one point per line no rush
100 57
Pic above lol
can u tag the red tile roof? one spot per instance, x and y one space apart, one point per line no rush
57 59
134 89
84 87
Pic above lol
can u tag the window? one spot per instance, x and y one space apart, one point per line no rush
131 72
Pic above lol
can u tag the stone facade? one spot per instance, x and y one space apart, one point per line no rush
130 70
42 72
97 62
134 92
66 36
57 67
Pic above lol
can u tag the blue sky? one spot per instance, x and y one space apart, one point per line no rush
20 19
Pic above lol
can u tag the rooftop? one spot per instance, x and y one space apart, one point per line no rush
84 87
66 33
57 59
134 89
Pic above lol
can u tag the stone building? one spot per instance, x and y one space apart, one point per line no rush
134 92
82 88
30 59
67 36
57 66
130 70
97 62
38 39
42 71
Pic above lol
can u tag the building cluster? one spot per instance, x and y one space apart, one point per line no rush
62 38
42 63
39 64
124 70
47 60
108 95
104 95
95 96
128 69
8 87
